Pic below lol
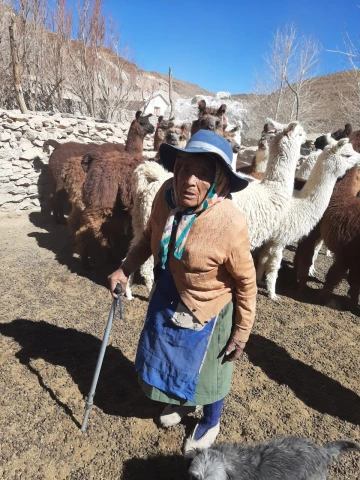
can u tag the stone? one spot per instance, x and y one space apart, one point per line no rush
6 165
31 154
10 153
15 125
33 176
7 197
64 123
5 172
25 204
42 136
31 135
27 166
25 145
38 143
8 188
4 137
69 130
18 117
82 129
17 176
17 135
35 202
32 190
4 180
13 144
24 181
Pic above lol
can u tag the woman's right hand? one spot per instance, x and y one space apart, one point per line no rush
118 277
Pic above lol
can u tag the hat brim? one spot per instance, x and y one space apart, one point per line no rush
168 154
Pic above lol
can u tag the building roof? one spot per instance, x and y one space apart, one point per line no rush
132 105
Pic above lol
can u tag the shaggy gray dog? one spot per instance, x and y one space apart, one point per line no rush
290 458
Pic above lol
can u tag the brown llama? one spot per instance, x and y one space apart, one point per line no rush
63 151
340 231
355 140
210 118
108 196
160 131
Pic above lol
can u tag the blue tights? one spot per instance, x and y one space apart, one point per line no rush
211 416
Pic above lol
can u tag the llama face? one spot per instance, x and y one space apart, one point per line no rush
342 157
210 119
143 121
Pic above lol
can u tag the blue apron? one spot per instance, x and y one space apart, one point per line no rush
170 357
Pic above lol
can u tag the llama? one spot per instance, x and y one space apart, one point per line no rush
73 177
149 176
289 458
355 140
139 128
210 119
264 203
340 231
306 209
108 197
258 166
161 128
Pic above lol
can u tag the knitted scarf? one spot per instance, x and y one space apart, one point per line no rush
217 192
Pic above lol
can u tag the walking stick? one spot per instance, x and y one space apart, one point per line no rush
90 398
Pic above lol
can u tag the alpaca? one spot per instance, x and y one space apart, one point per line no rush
258 166
73 177
161 128
291 458
303 172
355 140
342 132
264 203
306 209
108 196
177 135
340 231
149 176
63 151
210 119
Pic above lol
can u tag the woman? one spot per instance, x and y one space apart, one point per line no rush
203 267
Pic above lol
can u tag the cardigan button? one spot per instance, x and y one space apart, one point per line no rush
193 310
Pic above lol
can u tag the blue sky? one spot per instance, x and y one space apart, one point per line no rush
220 44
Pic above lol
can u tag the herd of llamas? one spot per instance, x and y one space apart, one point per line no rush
290 199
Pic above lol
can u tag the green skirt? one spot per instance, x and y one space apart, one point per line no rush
215 376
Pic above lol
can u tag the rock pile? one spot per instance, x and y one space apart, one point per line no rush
24 164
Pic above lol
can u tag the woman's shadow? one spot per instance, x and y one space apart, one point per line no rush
117 392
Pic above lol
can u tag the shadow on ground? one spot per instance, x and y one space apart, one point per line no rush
57 239
172 467
313 388
118 392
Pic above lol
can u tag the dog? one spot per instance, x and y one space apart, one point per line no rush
291 458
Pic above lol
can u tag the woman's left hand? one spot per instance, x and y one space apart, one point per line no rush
234 349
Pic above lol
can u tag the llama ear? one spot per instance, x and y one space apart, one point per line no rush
171 119
201 106
235 129
221 110
138 115
290 128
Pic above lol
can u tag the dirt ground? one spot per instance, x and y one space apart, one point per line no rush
299 376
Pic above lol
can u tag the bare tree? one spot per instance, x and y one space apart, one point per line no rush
284 91
85 52
16 68
348 93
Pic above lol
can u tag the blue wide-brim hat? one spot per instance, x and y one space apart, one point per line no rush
205 141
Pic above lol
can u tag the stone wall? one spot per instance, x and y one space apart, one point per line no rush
24 164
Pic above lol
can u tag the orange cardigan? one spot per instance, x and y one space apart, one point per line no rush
216 262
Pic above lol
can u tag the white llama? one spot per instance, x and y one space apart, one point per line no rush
265 203
306 209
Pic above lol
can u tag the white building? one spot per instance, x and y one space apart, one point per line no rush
157 104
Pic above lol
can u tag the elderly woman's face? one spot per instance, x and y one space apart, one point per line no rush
194 178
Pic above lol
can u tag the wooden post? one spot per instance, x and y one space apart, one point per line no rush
170 94
16 69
